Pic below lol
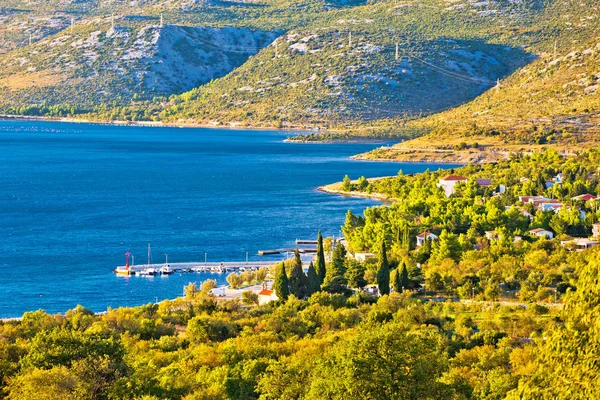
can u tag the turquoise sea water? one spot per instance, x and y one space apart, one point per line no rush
75 197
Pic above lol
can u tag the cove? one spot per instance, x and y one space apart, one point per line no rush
75 197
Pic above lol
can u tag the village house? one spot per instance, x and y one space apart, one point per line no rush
448 183
596 230
362 257
421 238
483 182
584 197
539 232
491 235
579 244
531 199
266 295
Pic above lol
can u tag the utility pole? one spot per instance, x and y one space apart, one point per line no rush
555 46
72 23
30 39
396 51
276 49
112 21
498 84
161 21
350 39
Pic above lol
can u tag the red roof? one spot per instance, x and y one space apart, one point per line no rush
538 230
265 292
585 197
454 178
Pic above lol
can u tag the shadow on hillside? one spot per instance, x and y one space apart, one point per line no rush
436 75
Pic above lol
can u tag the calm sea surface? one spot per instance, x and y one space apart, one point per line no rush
75 197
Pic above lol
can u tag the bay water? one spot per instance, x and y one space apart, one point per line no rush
75 197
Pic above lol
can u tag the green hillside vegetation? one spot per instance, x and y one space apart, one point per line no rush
505 335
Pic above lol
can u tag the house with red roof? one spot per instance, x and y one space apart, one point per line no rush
422 237
448 183
267 295
584 197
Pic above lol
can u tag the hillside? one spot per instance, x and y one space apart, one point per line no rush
493 72
121 60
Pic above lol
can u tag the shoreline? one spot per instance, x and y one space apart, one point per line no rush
151 124
334 188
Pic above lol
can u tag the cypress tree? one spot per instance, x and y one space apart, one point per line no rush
396 280
383 271
313 280
335 279
298 281
404 279
281 284
320 267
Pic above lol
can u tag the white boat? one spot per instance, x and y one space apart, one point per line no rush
147 272
166 270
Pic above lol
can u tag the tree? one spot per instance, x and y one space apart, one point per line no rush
404 279
298 281
355 275
382 362
261 274
191 290
234 280
383 271
347 184
281 284
320 267
208 285
567 360
313 284
249 297
396 280
335 280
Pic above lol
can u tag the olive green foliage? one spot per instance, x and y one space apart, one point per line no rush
325 347
483 248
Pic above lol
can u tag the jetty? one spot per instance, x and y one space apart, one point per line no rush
216 267
284 251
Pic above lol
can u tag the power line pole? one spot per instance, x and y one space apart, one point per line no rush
276 49
555 46
396 51
30 39
72 23
350 39
112 21
161 21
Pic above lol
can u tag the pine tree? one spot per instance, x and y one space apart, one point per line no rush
335 280
298 281
281 284
355 275
320 267
313 280
383 271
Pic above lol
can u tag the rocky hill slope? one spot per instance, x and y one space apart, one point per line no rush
102 61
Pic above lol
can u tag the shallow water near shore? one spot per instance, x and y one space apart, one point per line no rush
75 197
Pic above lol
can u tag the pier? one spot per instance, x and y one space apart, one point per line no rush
219 267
